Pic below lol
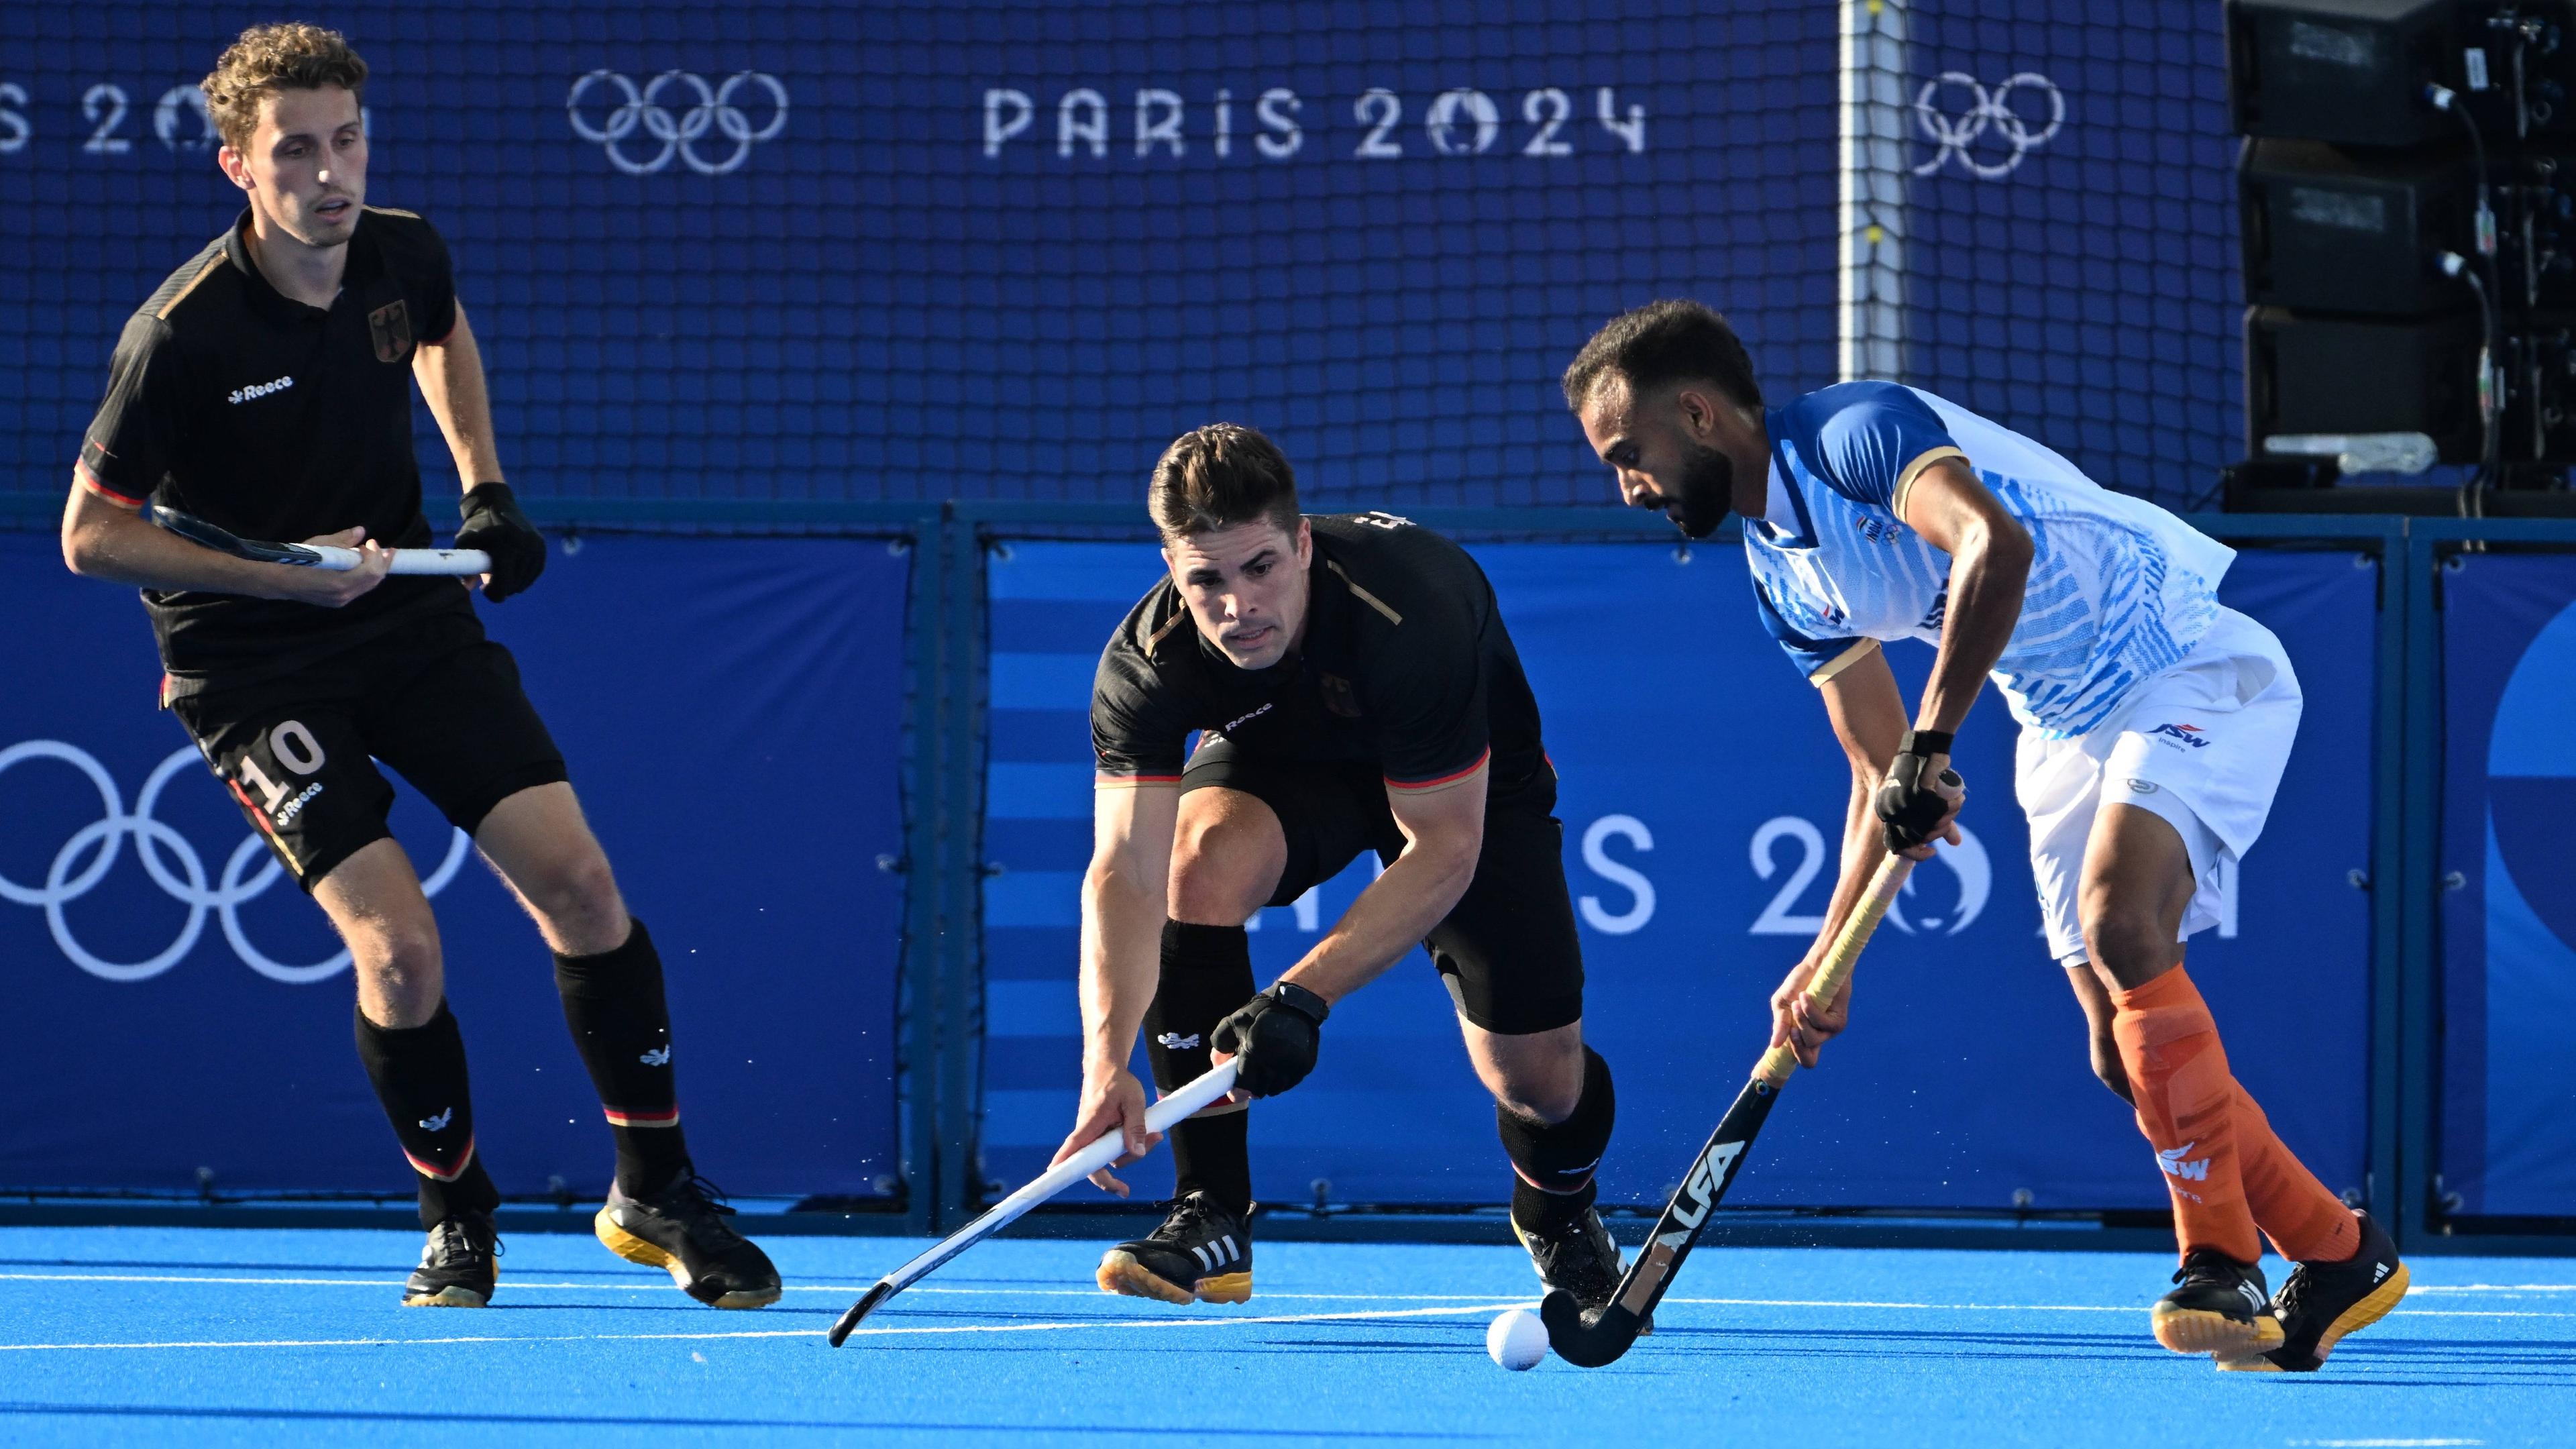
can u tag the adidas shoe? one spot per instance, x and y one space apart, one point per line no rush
2321 1302
1579 1258
682 1229
1201 1254
457 1265
2218 1306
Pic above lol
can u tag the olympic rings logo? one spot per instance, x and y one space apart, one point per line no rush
100 842
1992 111
643 110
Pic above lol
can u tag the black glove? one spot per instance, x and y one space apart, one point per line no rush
1272 1038
1909 805
494 524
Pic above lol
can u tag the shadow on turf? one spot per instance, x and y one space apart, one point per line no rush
2430 1363
2378 1362
1876 1342
639 1421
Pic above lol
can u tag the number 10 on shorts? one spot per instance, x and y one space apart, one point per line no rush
295 748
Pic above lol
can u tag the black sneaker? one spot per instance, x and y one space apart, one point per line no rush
2321 1302
1201 1254
682 1228
457 1267
1581 1259
2221 1306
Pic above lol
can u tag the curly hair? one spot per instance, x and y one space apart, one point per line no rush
1218 476
267 59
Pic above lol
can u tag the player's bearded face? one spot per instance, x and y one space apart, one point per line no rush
1246 588
1700 500
305 167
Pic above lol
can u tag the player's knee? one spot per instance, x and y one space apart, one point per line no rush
1546 1090
2125 938
576 886
1216 865
401 979
1534 1103
1559 1154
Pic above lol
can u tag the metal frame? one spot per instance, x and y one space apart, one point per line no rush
943 781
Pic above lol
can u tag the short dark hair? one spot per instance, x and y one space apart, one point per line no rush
267 59
1671 341
1218 476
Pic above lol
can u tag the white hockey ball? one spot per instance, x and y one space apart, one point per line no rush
1517 1339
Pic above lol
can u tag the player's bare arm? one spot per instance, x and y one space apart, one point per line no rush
450 374
107 540
1444 830
1123 904
1868 715
1990 554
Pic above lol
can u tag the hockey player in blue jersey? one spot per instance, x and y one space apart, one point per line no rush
2155 723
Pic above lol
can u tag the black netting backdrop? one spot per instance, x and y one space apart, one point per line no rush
1009 250
2071 263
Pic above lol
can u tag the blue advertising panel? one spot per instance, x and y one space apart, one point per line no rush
732 713
1011 247
1702 800
2508 915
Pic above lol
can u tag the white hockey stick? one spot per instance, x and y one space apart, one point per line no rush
447 561
1102 1151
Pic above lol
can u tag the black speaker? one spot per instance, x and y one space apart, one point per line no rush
2308 374
2324 232
2352 71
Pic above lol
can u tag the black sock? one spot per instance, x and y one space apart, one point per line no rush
1207 973
1553 1165
613 1003
419 1075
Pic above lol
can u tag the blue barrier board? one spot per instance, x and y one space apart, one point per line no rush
2508 915
732 714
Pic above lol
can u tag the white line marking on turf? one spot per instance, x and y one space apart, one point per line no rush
656 1285
890 1329
2383 1443
1378 1315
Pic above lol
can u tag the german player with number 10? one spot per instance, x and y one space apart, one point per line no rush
1355 690
266 387
2155 723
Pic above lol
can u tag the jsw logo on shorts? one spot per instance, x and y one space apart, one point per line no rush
2171 1160
1173 1041
2188 734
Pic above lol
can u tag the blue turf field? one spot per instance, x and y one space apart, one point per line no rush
212 1336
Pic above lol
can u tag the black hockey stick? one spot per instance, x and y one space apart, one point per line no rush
1603 1339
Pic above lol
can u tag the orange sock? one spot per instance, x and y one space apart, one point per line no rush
2306 1222
2187 1107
